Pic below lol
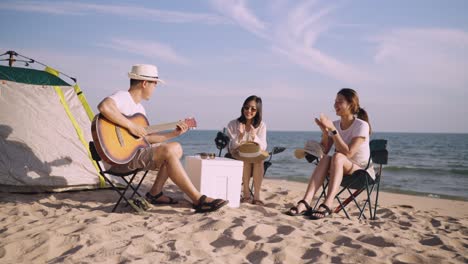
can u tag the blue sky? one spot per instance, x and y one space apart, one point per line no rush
408 60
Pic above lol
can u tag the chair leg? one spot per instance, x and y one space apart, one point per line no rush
357 192
251 188
135 190
117 190
352 197
322 194
368 201
122 195
376 198
341 207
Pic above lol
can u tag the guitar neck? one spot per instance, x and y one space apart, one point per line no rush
161 127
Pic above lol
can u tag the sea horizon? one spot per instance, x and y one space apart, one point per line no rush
423 164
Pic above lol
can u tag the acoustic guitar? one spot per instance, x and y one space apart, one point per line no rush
116 145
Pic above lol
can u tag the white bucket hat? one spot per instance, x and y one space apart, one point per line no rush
145 72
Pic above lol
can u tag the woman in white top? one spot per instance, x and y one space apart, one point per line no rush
350 135
249 127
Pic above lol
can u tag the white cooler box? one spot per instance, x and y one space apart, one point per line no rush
216 178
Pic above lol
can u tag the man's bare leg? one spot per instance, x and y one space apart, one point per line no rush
158 185
169 154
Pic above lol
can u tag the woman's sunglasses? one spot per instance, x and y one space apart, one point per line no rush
251 108
204 155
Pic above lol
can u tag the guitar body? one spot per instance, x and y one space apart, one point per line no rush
115 145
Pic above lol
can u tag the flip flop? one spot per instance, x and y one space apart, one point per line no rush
327 212
154 199
258 202
307 211
245 199
206 207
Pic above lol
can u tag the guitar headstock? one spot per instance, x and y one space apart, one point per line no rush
190 122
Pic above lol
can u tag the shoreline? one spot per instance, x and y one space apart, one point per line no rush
382 189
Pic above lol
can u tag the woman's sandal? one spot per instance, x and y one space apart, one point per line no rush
293 211
154 199
258 202
245 199
327 212
205 207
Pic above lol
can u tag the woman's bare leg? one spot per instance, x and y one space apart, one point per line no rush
247 173
258 171
341 166
315 181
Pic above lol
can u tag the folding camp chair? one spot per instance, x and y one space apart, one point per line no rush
107 173
360 180
222 141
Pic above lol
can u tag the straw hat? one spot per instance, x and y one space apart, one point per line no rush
312 147
250 152
145 72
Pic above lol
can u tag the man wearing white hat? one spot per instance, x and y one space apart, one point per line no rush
166 156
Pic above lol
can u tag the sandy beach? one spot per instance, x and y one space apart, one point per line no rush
78 227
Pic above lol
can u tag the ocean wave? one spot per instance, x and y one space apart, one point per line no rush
419 170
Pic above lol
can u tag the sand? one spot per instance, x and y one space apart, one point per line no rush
78 227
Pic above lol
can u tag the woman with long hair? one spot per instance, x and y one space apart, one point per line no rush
249 127
350 135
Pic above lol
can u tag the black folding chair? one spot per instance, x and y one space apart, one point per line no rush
222 141
107 173
360 180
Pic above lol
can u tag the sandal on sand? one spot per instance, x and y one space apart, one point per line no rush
154 199
321 214
258 202
293 211
139 204
205 207
245 199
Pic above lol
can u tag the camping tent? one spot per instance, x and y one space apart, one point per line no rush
44 133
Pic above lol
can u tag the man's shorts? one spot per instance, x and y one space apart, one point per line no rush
143 160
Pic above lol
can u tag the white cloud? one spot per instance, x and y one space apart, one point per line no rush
238 11
426 57
294 35
137 12
151 49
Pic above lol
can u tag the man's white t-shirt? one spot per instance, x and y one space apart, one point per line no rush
359 128
124 102
126 105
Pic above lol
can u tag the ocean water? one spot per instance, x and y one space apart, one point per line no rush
426 164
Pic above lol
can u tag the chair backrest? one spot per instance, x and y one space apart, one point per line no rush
221 140
93 151
378 149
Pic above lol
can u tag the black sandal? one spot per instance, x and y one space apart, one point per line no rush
325 213
205 207
154 199
307 211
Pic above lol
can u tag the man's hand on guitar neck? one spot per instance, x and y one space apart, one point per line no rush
181 128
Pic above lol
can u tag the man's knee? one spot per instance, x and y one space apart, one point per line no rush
174 149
